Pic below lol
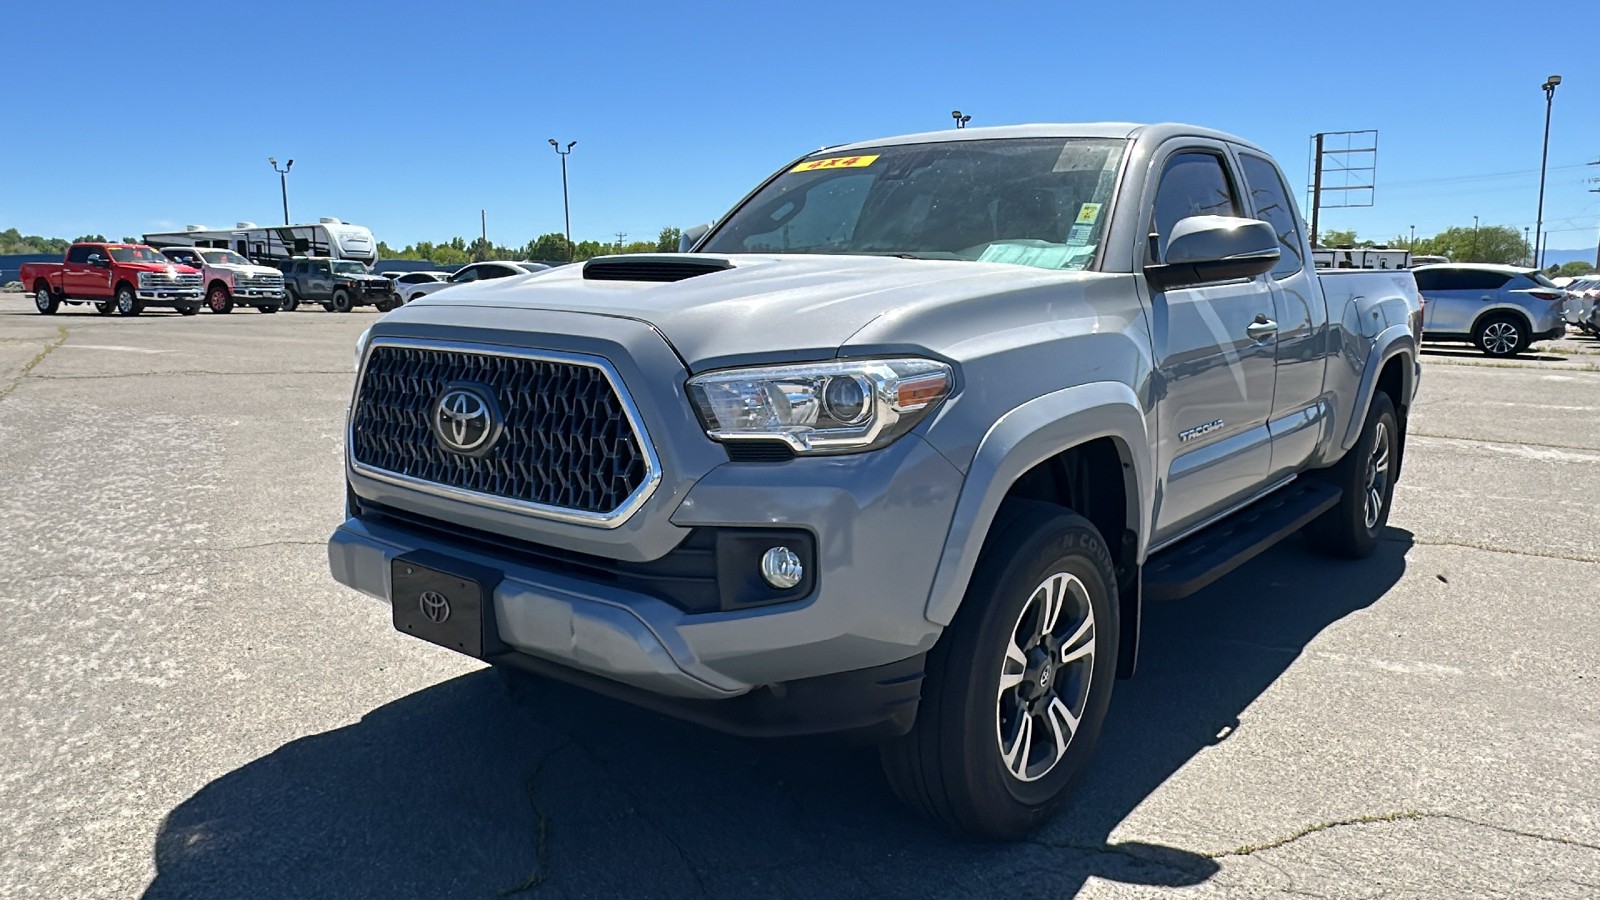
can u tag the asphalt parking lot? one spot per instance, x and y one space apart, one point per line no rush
191 707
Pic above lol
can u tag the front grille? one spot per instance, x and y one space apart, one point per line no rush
567 442
258 282
375 287
163 280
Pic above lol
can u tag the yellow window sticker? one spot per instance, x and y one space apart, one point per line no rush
1088 214
836 162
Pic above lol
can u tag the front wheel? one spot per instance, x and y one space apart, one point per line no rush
127 302
1366 476
219 300
46 301
268 309
188 310
1501 336
341 302
290 301
105 307
1017 688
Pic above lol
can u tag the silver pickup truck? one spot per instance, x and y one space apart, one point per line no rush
900 449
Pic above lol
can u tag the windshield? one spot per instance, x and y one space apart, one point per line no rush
1029 201
348 267
138 254
225 258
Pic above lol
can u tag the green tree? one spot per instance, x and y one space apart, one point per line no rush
1572 269
1488 243
97 238
668 241
1336 238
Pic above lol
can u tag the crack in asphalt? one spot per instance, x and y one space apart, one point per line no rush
1475 440
61 338
1407 815
140 573
541 869
1467 545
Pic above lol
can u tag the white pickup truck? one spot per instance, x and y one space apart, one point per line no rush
231 280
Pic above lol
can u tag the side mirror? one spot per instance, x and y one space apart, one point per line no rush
691 236
98 261
1204 249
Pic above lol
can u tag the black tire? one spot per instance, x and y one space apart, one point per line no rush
953 766
290 301
219 299
267 310
45 300
127 301
341 302
387 305
1501 335
105 308
188 310
327 306
1366 475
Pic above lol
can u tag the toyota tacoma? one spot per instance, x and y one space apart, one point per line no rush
899 449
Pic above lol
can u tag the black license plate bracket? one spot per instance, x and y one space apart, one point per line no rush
446 601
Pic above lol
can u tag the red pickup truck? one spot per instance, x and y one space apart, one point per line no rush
120 278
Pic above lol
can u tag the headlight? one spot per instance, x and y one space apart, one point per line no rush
144 278
361 346
836 407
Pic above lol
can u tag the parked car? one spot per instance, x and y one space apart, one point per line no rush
230 279
899 451
1419 261
340 285
483 271
405 283
120 278
1582 308
1502 310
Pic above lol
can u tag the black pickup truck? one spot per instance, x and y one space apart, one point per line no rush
340 285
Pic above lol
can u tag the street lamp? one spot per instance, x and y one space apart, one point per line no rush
1538 226
566 207
1526 247
283 183
961 121
1413 239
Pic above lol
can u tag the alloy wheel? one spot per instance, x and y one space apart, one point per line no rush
1377 481
1500 337
1044 678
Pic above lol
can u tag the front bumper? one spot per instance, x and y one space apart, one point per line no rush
168 296
879 519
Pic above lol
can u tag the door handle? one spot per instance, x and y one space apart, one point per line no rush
1262 328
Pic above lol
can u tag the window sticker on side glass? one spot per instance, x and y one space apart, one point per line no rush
836 162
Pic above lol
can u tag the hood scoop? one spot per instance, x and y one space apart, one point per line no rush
653 267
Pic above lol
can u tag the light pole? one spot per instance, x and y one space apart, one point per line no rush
961 121
566 207
283 183
1538 226
1475 238
1526 247
1413 247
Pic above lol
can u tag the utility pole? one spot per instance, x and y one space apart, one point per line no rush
1597 240
621 235
1475 238
566 207
483 224
283 183
1316 192
1549 88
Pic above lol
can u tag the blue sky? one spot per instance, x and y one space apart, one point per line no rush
409 121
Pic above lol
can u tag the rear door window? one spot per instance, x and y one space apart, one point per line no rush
1272 205
80 253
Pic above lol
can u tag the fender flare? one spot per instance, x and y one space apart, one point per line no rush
1020 440
1396 340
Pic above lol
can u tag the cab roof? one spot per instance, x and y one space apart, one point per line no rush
1156 133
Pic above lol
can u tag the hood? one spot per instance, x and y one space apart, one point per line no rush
766 309
174 268
245 269
345 276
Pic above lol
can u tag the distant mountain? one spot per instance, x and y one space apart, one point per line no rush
1555 257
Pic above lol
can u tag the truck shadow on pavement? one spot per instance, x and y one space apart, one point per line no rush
469 788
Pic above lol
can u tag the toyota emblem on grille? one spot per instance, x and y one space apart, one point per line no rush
435 606
466 420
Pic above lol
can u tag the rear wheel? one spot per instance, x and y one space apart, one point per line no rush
127 302
46 300
1501 335
218 299
1366 476
1017 688
341 302
290 301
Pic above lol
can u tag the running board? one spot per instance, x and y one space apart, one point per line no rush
1196 562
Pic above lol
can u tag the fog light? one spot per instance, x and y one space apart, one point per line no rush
781 568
